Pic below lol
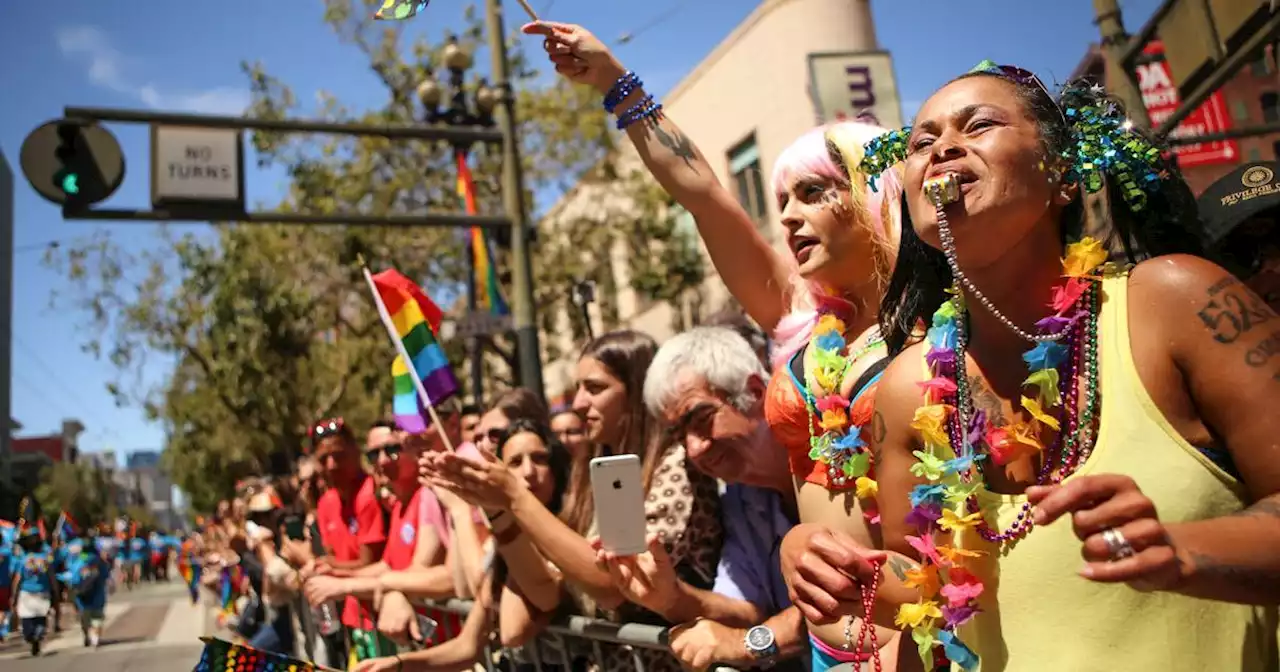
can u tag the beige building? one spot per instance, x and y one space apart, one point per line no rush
790 65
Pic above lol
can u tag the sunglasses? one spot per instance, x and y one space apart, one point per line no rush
494 436
1018 75
326 428
391 450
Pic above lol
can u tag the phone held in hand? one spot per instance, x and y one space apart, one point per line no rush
619 499
294 526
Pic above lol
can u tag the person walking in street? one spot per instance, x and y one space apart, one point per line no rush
86 577
33 585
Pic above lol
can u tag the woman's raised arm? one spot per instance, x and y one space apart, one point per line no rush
756 275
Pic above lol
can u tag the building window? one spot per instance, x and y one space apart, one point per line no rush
1239 110
748 179
1270 107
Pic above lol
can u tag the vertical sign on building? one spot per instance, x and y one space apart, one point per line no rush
1160 95
850 85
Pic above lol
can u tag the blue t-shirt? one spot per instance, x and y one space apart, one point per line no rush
7 539
35 570
137 549
106 546
86 576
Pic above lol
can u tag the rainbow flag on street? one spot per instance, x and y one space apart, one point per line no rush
488 291
421 366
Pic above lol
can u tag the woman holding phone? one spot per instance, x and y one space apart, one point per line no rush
681 505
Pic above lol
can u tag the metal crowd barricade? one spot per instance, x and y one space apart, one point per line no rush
592 630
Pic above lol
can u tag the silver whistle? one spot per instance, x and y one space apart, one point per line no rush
943 190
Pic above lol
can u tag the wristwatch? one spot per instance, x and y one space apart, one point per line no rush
761 644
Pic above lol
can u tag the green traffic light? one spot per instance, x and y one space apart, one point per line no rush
71 183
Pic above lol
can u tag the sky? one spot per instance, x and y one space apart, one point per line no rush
186 56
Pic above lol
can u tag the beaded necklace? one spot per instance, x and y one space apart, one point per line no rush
835 438
1063 374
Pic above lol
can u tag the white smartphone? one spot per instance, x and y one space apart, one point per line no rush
619 498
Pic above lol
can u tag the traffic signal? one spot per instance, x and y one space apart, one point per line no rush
68 177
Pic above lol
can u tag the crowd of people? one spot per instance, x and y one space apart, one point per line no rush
986 430
44 573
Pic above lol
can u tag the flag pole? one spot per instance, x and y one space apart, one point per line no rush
529 10
404 354
57 529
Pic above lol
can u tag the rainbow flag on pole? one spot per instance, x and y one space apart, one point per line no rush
488 291
421 370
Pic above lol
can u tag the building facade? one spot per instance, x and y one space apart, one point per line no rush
31 454
742 105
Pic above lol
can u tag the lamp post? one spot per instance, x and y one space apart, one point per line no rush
583 295
462 112
522 309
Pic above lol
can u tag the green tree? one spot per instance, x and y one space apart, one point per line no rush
84 492
270 327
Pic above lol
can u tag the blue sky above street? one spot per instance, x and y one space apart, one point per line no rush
186 57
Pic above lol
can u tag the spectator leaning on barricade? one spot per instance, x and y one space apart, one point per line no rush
523 589
708 385
350 523
413 561
682 506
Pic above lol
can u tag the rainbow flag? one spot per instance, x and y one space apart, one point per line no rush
488 291
414 318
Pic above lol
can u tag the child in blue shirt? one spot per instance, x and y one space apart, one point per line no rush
86 576
33 580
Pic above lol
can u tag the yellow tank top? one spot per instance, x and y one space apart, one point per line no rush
1039 615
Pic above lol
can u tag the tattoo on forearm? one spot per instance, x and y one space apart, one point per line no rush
1231 312
1239 575
677 143
900 566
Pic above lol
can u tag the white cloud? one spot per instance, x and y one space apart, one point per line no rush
107 67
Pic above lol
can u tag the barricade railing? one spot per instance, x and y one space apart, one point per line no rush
594 631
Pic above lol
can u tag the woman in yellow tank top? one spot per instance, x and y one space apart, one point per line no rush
1107 499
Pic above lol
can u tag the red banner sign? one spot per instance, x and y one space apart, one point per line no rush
1161 98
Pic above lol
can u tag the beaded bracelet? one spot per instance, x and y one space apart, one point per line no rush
645 109
622 88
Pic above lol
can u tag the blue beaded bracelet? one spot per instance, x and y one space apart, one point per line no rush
645 109
625 86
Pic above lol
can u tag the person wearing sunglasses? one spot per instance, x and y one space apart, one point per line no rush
349 518
413 560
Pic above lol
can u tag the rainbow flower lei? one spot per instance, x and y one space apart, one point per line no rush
946 502
839 445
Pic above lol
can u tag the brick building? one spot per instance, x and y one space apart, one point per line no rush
1244 167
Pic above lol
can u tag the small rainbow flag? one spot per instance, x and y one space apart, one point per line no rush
413 318
488 291
399 10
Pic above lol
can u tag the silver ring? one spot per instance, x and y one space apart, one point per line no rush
1118 547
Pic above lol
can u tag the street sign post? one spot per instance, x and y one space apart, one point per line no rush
1161 97
480 324
197 167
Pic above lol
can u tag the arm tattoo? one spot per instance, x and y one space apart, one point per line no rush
1238 575
900 566
677 143
1231 312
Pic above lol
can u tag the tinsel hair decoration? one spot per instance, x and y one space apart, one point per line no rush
1104 144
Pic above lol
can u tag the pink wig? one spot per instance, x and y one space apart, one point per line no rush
824 153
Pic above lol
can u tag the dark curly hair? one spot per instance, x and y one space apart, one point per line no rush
1168 224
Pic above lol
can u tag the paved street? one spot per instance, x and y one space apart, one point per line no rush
151 629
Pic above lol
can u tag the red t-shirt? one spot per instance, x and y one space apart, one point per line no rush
402 539
344 528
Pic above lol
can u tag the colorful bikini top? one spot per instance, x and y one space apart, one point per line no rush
798 422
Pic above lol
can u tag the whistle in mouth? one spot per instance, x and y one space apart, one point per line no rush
943 190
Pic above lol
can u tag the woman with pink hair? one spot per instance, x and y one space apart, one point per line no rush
821 301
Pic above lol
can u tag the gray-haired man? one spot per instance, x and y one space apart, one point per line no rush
708 384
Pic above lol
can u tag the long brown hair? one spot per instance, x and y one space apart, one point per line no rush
626 355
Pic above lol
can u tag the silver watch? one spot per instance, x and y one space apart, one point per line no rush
761 644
